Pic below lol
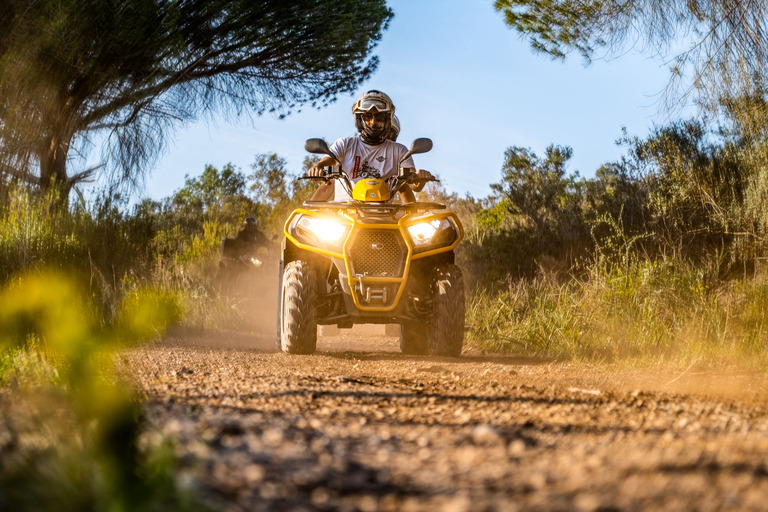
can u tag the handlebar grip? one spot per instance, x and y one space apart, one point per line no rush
328 174
422 180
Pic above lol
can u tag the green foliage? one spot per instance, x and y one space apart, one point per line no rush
543 219
172 244
663 312
131 275
723 56
531 317
277 191
131 70
212 190
195 218
638 261
553 27
686 191
657 258
542 192
74 432
617 193
694 184
33 232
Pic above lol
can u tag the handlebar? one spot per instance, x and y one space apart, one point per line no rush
332 173
405 176
328 174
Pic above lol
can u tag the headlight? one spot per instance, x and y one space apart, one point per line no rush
323 231
248 260
424 232
327 231
432 234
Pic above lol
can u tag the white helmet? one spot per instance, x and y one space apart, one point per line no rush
365 104
394 131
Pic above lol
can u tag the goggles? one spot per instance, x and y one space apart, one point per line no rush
366 104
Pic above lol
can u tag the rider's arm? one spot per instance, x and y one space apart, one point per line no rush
407 195
324 192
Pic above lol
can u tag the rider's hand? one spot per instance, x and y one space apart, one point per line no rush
421 174
316 173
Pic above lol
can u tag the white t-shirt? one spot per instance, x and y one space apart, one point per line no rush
360 161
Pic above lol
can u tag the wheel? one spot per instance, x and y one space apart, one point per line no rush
278 308
298 319
445 335
413 339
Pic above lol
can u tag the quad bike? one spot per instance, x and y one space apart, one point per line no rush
243 271
372 261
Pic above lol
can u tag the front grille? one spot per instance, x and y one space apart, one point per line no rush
377 252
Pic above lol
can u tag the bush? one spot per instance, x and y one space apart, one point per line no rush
73 438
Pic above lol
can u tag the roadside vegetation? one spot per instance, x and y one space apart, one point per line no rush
657 259
81 279
81 283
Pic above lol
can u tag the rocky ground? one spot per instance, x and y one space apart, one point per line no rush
360 427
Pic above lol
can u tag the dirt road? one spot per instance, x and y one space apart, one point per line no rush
361 427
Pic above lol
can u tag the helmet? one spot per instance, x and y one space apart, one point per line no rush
250 224
366 103
394 131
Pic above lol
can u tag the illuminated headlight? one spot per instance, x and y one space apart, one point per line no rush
248 260
327 231
424 232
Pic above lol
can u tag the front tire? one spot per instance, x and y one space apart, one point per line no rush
298 319
445 335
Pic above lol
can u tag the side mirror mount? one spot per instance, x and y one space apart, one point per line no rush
420 145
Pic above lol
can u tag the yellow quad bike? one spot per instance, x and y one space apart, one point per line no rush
372 261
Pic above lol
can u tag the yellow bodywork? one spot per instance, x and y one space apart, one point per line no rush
343 250
371 190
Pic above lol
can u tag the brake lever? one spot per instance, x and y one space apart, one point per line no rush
328 176
408 175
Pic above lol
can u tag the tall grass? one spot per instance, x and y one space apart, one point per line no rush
118 253
76 285
663 311
34 232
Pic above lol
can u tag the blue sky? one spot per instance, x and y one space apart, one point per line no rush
458 75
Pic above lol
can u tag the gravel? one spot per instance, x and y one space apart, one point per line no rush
359 427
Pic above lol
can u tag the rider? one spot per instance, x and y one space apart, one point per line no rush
250 238
370 154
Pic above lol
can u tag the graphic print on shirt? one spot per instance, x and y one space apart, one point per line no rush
369 172
357 167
